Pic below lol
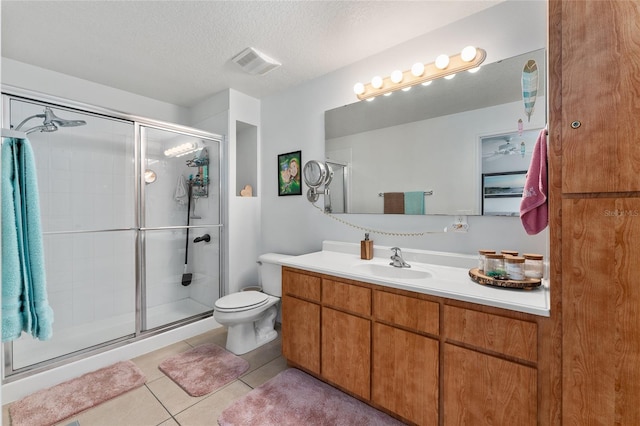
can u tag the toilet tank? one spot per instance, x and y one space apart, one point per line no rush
270 272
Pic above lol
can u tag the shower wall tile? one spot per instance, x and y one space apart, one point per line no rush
62 304
104 306
83 305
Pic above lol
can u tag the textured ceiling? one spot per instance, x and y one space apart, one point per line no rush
180 51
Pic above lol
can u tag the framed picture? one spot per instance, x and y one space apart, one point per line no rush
289 166
502 193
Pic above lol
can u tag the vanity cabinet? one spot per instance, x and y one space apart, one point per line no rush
483 389
490 374
426 360
405 369
346 336
301 320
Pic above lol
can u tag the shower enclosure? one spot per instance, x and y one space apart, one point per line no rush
122 201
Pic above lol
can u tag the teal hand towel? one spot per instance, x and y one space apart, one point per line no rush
25 305
414 202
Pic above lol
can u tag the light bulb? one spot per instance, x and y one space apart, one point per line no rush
474 70
396 76
442 62
449 77
387 94
370 99
417 69
468 54
426 83
358 89
406 89
376 82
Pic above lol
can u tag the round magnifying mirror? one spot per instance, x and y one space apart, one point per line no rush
314 173
150 176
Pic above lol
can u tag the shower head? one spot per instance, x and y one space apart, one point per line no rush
51 122
50 117
44 128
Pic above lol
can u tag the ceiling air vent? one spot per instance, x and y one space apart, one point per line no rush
255 62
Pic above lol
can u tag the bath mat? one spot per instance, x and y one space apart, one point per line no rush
295 398
203 369
56 403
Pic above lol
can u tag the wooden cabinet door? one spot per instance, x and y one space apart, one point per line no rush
301 333
405 374
601 311
346 351
481 389
600 68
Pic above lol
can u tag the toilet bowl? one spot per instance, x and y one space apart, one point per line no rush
250 315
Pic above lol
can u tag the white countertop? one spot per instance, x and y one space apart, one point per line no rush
444 281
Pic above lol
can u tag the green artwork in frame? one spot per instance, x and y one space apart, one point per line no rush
289 173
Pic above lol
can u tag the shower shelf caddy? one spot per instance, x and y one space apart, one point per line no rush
200 183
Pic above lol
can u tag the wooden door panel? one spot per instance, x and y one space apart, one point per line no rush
601 311
600 89
346 351
481 389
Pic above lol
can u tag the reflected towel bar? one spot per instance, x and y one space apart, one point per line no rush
381 194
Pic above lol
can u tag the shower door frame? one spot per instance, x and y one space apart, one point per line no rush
8 93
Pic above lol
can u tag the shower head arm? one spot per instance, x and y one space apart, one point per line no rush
23 122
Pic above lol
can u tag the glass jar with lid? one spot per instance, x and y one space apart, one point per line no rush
509 252
514 266
482 259
494 266
533 265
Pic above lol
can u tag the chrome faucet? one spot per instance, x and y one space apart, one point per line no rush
397 260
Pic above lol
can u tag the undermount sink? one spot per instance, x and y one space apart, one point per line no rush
388 271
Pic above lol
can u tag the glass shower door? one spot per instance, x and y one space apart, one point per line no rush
87 200
180 226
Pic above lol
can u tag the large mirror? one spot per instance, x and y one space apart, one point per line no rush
437 141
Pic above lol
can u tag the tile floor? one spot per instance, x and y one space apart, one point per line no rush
161 402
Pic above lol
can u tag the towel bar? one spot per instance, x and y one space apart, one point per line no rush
381 194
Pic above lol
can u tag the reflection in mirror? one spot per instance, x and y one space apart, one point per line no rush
505 159
429 139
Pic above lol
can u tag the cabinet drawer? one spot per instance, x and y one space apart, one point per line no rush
301 285
416 314
504 335
346 297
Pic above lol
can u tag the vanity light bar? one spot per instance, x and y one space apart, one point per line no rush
441 67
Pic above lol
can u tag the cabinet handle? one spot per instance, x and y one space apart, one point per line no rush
576 124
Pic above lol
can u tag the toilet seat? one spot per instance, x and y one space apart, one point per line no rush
241 301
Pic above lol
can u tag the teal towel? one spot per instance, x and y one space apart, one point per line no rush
414 202
25 305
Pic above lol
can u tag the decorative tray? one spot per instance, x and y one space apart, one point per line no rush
481 278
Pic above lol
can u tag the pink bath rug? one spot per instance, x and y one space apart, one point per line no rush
51 405
294 398
203 369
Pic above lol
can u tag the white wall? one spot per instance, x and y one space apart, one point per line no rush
294 119
52 83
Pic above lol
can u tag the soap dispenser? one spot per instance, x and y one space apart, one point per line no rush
366 248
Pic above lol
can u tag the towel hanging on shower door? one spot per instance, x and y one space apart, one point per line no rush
25 306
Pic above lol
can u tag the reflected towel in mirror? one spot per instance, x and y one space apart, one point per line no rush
414 202
393 203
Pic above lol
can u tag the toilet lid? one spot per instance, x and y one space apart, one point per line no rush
242 299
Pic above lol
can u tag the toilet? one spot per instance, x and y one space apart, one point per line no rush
250 316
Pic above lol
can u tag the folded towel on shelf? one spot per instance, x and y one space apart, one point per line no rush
25 306
393 203
414 202
181 193
534 210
